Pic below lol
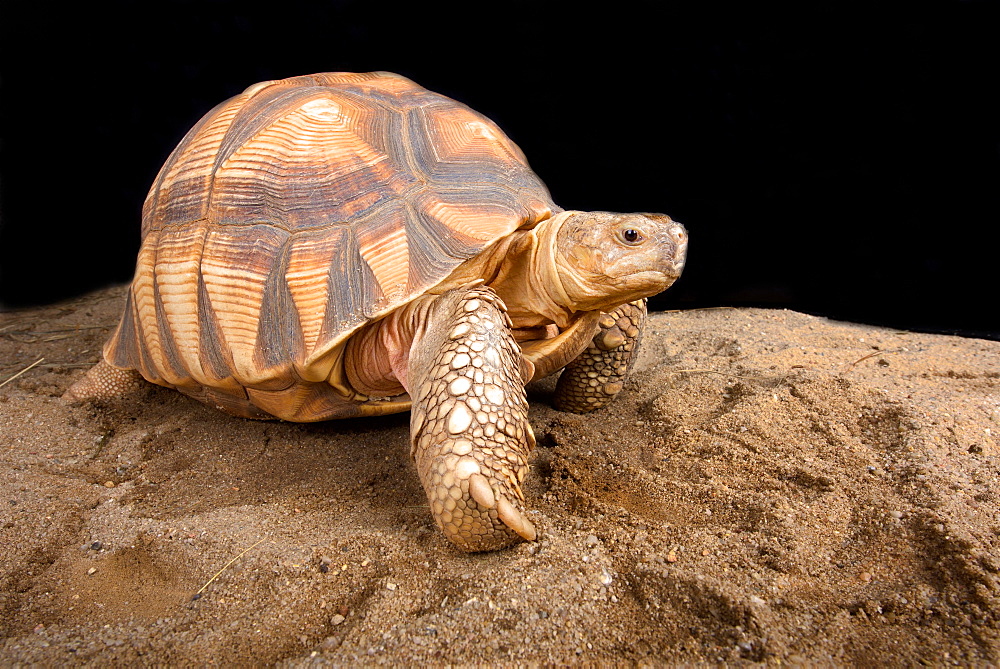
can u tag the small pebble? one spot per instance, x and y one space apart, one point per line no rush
591 540
390 586
337 619
896 514
96 546
605 578
672 555
91 571
109 484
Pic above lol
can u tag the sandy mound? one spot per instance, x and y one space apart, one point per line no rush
770 486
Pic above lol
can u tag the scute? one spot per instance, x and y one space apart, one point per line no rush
297 211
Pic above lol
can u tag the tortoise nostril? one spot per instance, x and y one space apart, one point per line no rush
679 236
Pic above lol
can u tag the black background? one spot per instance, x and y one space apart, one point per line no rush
837 158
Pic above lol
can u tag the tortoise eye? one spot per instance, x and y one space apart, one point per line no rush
631 236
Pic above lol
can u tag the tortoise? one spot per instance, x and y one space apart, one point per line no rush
343 244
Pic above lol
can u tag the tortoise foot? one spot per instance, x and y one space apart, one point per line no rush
469 425
597 375
103 382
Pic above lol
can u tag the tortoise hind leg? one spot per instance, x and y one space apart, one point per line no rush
103 382
469 421
597 375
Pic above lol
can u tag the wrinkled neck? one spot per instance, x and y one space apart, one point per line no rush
528 280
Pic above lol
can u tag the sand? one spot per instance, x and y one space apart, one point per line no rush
769 487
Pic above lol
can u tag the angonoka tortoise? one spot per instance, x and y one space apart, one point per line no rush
344 244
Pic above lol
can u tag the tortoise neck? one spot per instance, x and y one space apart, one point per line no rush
527 279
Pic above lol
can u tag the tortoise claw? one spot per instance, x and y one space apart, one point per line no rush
481 491
515 520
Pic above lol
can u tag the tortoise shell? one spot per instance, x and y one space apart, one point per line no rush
301 209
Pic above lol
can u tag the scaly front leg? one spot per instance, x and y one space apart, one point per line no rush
594 378
469 421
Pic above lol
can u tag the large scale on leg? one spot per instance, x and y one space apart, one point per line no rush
340 244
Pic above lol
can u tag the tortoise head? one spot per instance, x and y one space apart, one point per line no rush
605 259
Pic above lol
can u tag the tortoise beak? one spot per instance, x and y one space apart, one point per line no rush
680 236
672 240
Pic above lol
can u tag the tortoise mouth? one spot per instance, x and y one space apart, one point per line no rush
658 280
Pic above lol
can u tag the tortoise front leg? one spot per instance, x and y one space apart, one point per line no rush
593 379
469 421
